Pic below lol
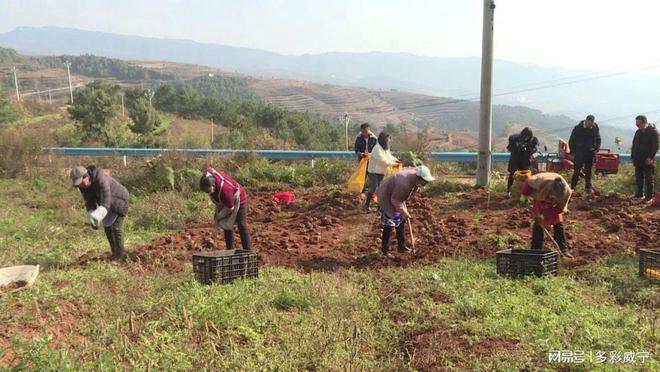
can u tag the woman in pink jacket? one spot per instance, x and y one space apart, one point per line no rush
231 206
393 193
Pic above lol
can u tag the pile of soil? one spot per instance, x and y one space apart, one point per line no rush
327 231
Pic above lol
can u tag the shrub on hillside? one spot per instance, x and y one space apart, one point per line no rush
18 150
172 172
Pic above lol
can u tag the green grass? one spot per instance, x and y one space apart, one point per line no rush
458 313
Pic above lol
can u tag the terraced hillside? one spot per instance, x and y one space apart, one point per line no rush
452 123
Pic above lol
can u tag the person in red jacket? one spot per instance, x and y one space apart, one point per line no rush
231 205
551 194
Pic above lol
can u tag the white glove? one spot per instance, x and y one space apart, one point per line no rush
98 214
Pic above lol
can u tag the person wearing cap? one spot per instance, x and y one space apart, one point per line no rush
106 201
551 194
231 205
393 193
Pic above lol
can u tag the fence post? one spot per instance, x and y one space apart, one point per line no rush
311 163
124 161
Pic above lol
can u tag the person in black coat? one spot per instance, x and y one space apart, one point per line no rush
644 149
521 146
106 201
365 142
584 144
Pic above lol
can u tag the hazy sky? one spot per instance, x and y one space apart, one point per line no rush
589 34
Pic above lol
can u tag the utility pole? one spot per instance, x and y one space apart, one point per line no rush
18 96
486 107
68 73
211 132
346 120
122 106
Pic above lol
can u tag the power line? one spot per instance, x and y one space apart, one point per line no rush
541 87
604 73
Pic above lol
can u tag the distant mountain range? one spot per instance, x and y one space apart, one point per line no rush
570 92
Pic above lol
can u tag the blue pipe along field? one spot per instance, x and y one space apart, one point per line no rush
457 157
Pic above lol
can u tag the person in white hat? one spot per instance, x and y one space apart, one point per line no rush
106 201
393 193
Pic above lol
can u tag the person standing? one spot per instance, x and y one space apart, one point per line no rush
231 205
584 144
521 146
365 142
551 194
106 201
392 196
381 159
644 149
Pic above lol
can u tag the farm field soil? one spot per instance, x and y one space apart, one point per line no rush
330 231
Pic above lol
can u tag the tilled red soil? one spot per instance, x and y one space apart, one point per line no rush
327 231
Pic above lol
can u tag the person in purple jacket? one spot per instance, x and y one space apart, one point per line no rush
393 193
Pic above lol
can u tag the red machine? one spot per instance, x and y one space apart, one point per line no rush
607 162
560 161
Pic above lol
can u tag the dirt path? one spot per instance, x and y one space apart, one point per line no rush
328 231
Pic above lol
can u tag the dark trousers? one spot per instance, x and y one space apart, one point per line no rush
644 176
400 237
374 182
558 234
115 235
586 162
241 221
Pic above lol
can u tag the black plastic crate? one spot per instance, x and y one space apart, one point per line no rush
649 263
224 267
523 262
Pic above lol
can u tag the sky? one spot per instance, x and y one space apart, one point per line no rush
585 34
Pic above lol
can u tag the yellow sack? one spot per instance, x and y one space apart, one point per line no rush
519 178
356 182
394 169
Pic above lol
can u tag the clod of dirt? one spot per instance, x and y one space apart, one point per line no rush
208 243
597 213
583 206
613 227
614 195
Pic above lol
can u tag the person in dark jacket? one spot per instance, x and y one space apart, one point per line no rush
521 146
644 149
365 142
231 205
584 144
106 201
